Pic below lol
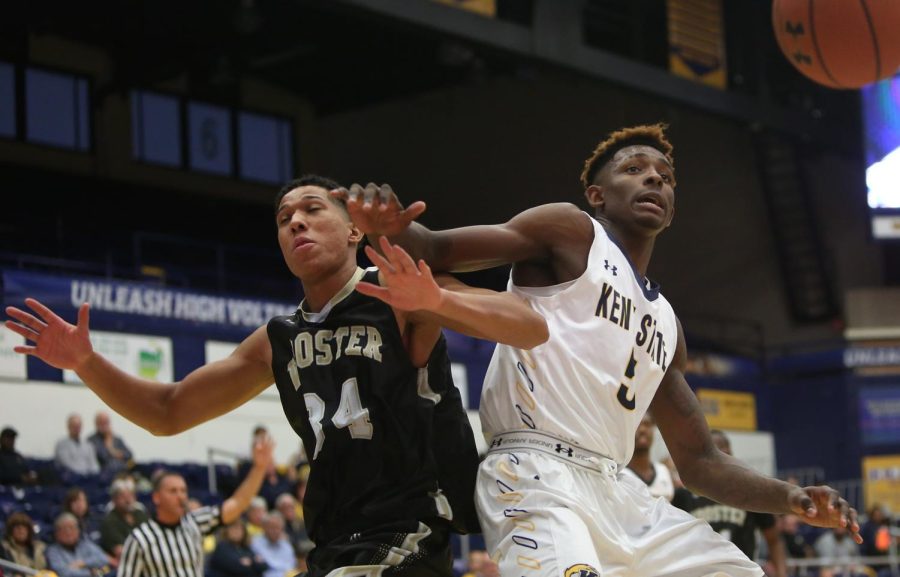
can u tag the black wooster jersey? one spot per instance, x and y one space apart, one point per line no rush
369 419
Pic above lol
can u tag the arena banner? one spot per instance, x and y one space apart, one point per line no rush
728 409
146 356
879 415
218 350
483 7
12 364
881 479
697 41
143 307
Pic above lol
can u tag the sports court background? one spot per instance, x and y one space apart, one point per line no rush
143 142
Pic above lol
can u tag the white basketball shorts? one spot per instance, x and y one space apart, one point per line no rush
549 509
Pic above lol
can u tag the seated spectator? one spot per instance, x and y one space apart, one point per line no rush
112 453
294 527
301 552
273 485
74 455
273 547
76 503
255 515
13 467
20 543
124 516
72 556
876 534
233 556
838 548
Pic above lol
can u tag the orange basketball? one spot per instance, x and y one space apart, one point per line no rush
840 43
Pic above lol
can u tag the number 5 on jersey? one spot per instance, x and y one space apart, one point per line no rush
622 395
350 413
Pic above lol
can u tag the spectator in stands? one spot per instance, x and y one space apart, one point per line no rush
20 543
74 455
112 453
273 546
273 486
837 547
170 544
13 466
294 527
76 503
233 556
655 475
481 565
876 534
794 541
124 516
72 556
255 515
301 553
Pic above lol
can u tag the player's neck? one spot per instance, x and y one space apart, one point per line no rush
318 293
638 248
640 462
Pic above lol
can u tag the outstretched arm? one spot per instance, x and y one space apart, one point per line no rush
161 408
410 286
234 506
708 471
536 235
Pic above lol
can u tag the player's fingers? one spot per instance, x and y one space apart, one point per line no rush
388 250
369 194
340 193
414 211
45 313
383 265
407 264
84 316
26 319
25 350
22 331
373 290
386 196
355 194
425 270
807 506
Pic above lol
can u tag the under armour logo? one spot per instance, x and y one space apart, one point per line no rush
612 267
567 450
794 28
802 58
496 442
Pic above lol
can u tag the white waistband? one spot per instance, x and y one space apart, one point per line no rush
541 442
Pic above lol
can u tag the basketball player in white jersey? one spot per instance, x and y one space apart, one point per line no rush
562 417
656 476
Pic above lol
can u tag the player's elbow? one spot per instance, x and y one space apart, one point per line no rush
535 334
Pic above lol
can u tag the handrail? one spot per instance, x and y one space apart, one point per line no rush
211 452
18 568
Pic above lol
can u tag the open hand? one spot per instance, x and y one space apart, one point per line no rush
377 210
56 342
263 450
822 506
407 286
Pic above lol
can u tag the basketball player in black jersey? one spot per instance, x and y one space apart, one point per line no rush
365 384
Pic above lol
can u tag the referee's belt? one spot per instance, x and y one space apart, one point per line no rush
541 442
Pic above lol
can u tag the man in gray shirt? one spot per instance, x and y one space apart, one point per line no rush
76 455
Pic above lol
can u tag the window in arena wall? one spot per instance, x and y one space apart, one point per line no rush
265 148
7 100
209 139
57 109
156 128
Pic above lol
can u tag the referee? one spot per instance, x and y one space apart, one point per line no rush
170 544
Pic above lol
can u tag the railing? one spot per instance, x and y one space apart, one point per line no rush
211 454
804 476
17 568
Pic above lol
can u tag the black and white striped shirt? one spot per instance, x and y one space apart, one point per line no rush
157 550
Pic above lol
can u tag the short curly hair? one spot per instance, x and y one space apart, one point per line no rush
647 134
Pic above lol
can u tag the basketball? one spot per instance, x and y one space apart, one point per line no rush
837 43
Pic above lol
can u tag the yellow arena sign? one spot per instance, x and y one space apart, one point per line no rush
728 409
881 480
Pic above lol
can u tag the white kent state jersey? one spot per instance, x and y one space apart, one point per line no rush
612 337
